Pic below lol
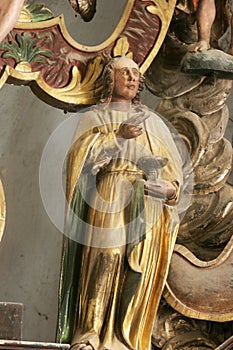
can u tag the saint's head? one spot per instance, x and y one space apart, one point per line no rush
122 81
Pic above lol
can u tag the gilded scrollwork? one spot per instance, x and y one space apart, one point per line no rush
79 91
122 48
59 60
196 106
86 8
210 225
175 331
161 9
210 279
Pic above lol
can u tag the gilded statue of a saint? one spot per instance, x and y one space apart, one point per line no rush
123 182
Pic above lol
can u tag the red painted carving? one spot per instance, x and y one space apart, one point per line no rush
141 29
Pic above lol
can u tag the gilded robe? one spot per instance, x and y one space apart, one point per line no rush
112 282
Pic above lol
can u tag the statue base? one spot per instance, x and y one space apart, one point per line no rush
11 320
213 62
26 345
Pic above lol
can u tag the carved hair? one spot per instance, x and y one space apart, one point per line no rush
108 83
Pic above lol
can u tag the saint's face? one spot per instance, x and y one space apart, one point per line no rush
126 80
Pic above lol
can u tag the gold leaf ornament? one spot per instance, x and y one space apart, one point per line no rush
86 8
34 13
161 8
152 9
79 90
122 48
117 44
94 70
24 16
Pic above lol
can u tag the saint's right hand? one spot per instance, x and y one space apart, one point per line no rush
128 131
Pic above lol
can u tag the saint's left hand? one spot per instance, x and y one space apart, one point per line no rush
162 189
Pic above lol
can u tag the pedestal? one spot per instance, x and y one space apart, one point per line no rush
11 320
27 345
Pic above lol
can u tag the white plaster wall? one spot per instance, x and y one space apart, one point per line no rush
30 249
31 246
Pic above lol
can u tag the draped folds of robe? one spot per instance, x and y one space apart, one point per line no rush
119 241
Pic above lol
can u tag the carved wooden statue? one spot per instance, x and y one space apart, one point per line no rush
68 75
111 291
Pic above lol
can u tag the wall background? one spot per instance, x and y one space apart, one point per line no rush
30 250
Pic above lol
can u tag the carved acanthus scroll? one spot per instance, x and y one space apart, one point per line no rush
196 106
67 74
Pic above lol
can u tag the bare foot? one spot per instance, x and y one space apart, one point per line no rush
200 46
82 346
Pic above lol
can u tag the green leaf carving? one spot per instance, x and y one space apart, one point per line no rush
38 12
24 49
